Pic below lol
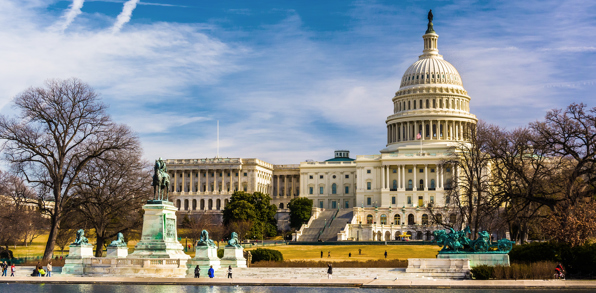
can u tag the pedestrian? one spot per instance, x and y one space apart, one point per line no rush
39 269
13 269
4 269
49 269
359 251
321 254
329 271
211 272
197 271
350 254
328 254
229 272
385 254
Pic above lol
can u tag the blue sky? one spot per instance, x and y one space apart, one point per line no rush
293 80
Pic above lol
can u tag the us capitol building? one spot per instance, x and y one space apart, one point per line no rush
372 197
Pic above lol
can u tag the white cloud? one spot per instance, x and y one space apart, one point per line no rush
125 15
73 11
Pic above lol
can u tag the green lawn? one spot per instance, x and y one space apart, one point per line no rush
369 252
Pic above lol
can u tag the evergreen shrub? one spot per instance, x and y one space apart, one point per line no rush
265 254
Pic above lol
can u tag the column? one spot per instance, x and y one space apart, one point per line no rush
388 137
403 174
215 185
414 184
382 169
398 177
277 186
199 181
183 181
425 177
437 184
175 181
191 182
207 184
387 177
395 132
423 129
294 177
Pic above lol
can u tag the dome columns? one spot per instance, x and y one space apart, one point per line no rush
429 129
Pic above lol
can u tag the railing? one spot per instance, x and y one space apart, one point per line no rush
144 263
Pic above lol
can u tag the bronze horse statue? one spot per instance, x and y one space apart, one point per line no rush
161 181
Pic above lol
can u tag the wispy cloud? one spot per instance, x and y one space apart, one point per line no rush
73 11
125 15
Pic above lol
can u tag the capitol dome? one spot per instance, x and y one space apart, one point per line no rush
431 107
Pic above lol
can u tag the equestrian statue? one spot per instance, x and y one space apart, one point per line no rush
161 180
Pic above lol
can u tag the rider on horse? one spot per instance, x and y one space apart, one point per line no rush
160 179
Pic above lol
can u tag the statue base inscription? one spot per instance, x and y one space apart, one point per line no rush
159 238
205 257
234 257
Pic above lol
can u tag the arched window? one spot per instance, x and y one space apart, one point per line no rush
202 204
210 204
194 204
186 204
397 220
425 219
334 188
452 219
432 183
410 184
421 185
383 219
178 204
395 184
369 219
281 205
218 204
411 219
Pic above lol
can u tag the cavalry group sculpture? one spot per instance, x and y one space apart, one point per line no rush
458 242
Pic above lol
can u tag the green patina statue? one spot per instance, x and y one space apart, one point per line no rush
81 240
234 242
161 180
205 241
458 242
430 28
118 242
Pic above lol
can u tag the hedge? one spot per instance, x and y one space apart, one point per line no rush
579 261
261 254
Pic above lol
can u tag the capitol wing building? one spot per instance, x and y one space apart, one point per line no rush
371 197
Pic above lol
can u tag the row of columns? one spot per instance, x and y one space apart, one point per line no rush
180 183
437 130
383 179
437 103
288 189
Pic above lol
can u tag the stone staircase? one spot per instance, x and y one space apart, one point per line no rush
342 217
314 230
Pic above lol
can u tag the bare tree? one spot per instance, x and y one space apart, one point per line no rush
196 223
110 192
240 227
65 237
60 128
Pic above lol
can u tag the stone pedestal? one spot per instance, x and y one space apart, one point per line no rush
477 259
117 252
74 262
439 268
159 238
233 257
205 257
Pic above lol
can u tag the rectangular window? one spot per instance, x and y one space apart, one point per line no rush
368 201
448 169
320 176
236 174
204 174
321 190
394 170
310 177
320 204
447 200
367 171
421 171
245 174
409 200
409 170
245 189
347 204
432 199
347 189
333 204
311 190
432 170
393 200
420 201
347 176
368 185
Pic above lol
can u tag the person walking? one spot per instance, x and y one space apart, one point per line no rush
49 269
321 254
329 271
350 254
4 269
359 251
13 269
229 272
328 254
39 268
211 272
197 271
385 254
